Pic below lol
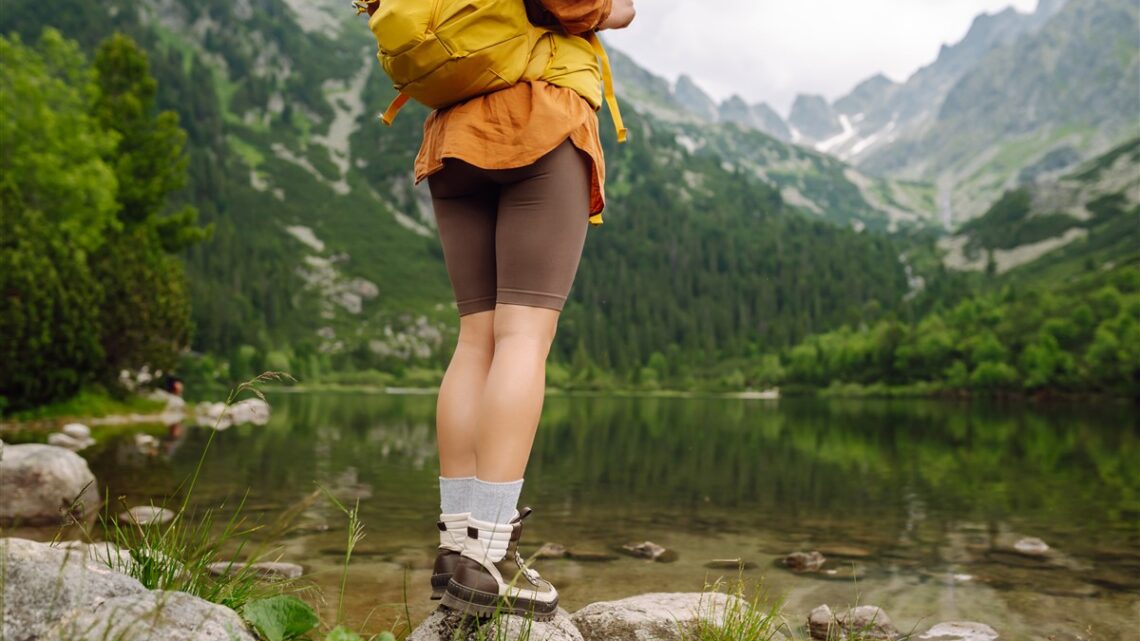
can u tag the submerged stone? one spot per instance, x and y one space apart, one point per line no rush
960 631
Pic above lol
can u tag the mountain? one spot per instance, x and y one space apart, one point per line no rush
1071 87
812 118
720 241
880 111
1056 229
738 135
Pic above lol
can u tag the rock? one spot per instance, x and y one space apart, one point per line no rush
43 482
218 416
590 556
69 442
821 623
551 551
870 622
730 564
653 617
960 631
275 570
843 572
804 561
650 550
846 552
170 616
147 515
43 583
448 625
1030 546
147 444
77 431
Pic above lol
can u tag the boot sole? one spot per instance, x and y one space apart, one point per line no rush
439 585
484 604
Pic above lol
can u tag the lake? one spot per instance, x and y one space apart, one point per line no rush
916 504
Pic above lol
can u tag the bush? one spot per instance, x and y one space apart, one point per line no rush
993 376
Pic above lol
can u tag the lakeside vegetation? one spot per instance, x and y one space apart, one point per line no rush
92 285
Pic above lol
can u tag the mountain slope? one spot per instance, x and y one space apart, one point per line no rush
1051 231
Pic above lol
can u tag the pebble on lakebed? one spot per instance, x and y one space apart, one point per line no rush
147 515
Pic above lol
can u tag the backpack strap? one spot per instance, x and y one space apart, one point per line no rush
394 108
608 83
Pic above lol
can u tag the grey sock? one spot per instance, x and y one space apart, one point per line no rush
455 494
495 502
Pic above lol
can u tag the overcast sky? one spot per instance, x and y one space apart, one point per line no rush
771 50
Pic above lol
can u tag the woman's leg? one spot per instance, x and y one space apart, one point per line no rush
460 396
515 388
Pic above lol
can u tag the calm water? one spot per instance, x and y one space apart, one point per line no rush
924 499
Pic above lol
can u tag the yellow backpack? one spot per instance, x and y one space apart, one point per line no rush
440 52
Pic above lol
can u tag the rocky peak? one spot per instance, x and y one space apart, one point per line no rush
814 118
693 98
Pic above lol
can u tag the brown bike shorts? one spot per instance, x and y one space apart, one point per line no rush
513 236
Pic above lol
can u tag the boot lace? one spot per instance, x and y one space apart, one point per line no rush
531 575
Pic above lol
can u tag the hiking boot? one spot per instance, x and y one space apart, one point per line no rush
492 578
452 534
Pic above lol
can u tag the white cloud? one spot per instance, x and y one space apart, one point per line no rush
771 50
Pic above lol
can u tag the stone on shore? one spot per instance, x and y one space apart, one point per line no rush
170 616
960 631
869 621
70 593
448 625
147 515
821 623
44 583
76 430
69 443
866 622
42 483
653 617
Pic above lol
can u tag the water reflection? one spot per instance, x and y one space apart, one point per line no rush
925 499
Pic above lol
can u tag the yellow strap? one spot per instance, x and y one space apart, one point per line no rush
608 84
395 108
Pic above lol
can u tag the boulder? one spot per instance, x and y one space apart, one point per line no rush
870 622
77 430
653 617
41 483
448 625
960 631
147 515
170 616
69 442
43 583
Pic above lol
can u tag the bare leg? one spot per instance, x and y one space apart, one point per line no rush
461 392
512 398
